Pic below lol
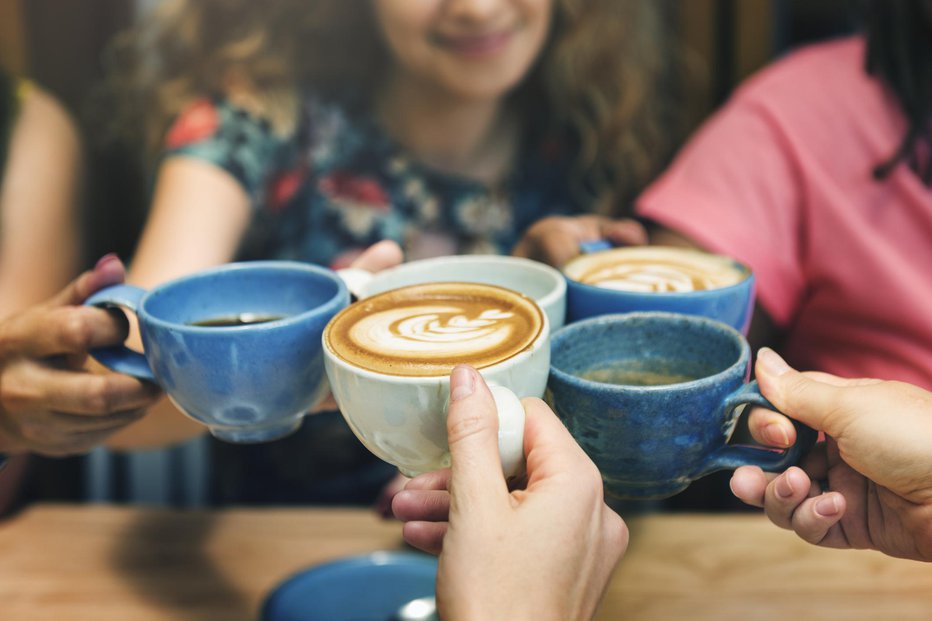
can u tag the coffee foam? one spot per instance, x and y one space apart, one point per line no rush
655 269
426 330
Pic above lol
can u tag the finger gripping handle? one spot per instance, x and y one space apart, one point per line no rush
731 457
119 357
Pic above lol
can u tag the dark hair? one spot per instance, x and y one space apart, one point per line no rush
899 52
7 114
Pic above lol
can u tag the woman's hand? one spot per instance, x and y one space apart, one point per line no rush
555 240
869 485
49 402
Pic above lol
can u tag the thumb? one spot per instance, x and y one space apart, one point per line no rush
472 432
798 396
108 271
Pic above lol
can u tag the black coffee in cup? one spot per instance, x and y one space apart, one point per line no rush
243 319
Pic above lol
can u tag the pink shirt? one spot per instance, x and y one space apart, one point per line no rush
780 178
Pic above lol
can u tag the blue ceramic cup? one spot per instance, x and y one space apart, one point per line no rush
653 399
237 348
658 278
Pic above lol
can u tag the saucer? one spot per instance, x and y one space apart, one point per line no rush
370 587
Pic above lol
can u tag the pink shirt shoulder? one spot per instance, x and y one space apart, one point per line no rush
781 178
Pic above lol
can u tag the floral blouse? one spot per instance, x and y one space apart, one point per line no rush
340 184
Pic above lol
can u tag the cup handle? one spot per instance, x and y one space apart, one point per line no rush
119 357
596 245
734 456
355 279
510 430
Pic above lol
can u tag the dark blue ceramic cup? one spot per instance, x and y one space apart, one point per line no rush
237 348
653 399
656 278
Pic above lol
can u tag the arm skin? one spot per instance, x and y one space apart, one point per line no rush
49 403
39 245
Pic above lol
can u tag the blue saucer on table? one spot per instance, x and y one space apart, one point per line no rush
371 587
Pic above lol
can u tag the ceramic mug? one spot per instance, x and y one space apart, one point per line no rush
659 278
654 397
237 347
395 405
542 283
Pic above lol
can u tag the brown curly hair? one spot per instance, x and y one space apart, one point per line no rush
604 79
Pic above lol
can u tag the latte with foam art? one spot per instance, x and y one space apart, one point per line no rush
426 330
656 269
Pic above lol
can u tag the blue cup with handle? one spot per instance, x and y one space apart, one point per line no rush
237 347
605 280
654 397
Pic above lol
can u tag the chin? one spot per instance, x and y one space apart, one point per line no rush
486 88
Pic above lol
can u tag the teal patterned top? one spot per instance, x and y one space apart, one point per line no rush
340 184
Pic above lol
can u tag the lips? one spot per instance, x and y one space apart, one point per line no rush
475 46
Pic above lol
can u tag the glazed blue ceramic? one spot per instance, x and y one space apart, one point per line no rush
361 588
732 305
247 383
652 441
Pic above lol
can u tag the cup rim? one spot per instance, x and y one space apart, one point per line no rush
339 299
748 274
558 279
540 340
742 361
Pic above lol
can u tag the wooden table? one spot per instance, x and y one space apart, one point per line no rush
104 563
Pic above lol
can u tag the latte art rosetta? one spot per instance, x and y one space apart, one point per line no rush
447 329
427 329
655 269
653 277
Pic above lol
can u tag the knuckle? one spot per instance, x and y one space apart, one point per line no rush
616 531
467 425
15 396
75 331
98 396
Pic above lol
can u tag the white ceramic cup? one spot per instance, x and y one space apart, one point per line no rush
540 282
402 419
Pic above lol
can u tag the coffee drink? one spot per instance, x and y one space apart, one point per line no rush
655 269
654 397
242 319
647 372
425 330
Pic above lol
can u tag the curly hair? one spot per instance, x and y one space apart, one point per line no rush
899 52
604 79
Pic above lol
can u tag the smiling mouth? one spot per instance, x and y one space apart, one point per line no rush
474 46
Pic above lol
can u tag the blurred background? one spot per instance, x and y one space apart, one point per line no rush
60 45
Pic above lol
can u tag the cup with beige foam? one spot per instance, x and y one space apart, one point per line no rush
660 278
544 284
389 357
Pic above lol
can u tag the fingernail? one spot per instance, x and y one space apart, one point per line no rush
827 507
462 383
771 362
784 488
106 260
776 435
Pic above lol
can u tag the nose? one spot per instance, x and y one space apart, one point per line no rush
474 10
